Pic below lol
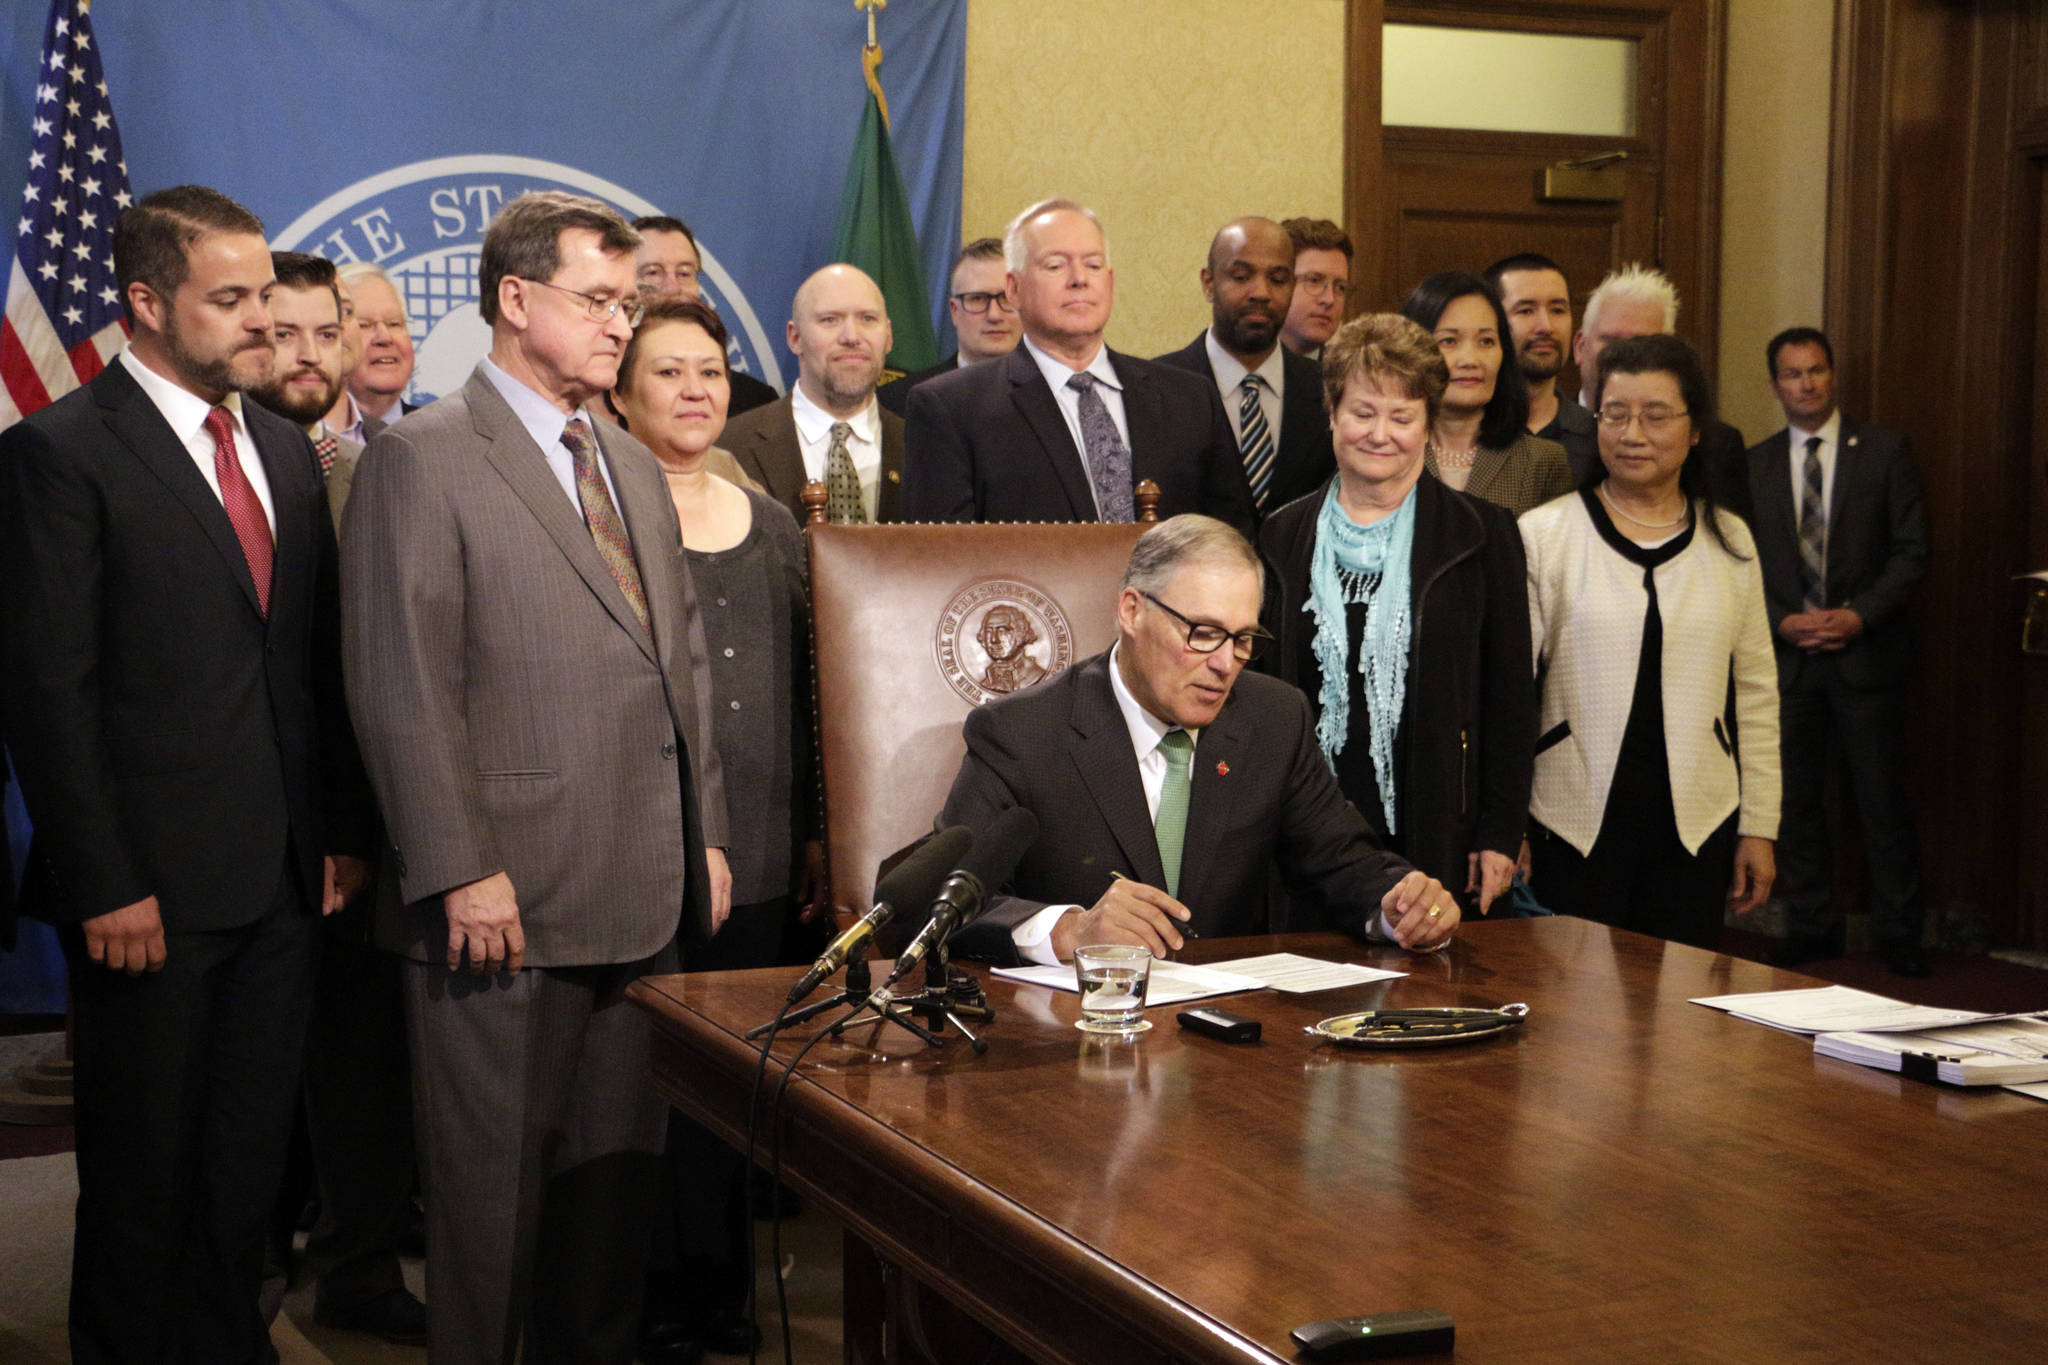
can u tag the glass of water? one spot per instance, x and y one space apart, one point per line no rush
1113 978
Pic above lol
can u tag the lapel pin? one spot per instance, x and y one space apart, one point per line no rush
895 476
1222 770
1852 440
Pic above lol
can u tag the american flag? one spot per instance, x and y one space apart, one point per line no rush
64 318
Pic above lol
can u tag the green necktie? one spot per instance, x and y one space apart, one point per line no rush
1170 826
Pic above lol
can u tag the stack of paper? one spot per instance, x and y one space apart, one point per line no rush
1836 1009
2000 1052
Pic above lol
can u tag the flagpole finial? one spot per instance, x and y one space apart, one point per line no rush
870 6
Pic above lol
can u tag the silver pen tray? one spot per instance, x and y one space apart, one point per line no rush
1428 1027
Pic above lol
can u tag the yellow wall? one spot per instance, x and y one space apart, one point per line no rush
1774 193
1168 117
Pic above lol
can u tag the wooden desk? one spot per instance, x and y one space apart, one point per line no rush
1630 1177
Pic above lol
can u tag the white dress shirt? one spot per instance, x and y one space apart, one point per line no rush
545 423
1111 389
1230 373
863 445
185 412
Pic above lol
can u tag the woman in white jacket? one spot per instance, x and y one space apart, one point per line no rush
1643 601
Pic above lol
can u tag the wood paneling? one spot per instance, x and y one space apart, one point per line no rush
1933 247
1458 199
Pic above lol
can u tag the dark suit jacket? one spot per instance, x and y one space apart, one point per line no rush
895 395
764 442
1467 747
1303 459
1262 797
1877 548
171 739
988 443
1575 430
373 425
748 393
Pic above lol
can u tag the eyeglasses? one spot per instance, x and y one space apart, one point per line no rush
1204 638
1315 282
597 306
979 301
1616 416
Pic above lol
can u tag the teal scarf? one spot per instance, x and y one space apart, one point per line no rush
1369 565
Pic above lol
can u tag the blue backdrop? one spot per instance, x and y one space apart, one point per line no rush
387 130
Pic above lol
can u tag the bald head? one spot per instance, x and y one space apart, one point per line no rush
1249 283
839 333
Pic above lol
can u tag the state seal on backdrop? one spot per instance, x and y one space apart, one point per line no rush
424 224
999 636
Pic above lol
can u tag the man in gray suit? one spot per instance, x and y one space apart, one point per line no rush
527 666
829 427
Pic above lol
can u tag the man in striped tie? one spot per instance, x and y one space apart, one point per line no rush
1841 534
1274 397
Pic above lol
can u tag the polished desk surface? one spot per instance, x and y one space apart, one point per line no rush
1627 1177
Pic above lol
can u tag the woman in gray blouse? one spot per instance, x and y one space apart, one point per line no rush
747 564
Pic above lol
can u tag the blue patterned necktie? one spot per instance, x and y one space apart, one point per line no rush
1109 459
1813 531
1255 440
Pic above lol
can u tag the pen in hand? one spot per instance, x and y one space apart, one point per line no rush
1180 927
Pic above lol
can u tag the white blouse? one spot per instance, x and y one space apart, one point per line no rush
1586 608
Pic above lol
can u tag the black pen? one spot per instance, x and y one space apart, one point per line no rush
1179 926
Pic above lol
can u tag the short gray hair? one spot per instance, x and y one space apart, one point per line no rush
1015 258
1187 539
1634 283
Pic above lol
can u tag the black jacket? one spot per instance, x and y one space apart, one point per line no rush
1469 718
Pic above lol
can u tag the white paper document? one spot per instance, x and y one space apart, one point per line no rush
1172 982
1836 1009
2002 1052
1298 975
2038 1090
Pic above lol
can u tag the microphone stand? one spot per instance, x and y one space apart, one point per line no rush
947 995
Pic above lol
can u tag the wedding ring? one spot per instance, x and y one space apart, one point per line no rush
1435 910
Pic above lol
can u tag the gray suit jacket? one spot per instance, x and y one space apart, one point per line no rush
765 444
515 716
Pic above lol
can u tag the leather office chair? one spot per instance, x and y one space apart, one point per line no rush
914 625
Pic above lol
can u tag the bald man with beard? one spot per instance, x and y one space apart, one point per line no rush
1273 397
829 427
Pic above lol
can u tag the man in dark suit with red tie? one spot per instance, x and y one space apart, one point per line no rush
170 671
1842 535
1062 428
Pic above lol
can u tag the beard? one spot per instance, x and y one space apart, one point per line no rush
1538 368
212 374
300 406
1247 331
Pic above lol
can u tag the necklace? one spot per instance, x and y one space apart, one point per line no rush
1684 511
1454 459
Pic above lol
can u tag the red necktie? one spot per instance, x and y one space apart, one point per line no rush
244 508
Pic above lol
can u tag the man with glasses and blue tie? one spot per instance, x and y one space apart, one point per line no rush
1063 428
1168 782
984 319
526 669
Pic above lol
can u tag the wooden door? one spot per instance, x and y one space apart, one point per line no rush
1457 198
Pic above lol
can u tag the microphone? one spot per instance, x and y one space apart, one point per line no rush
913 880
994 857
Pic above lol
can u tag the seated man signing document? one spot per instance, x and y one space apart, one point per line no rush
1167 781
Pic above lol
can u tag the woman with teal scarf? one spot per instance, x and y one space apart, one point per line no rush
1400 608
